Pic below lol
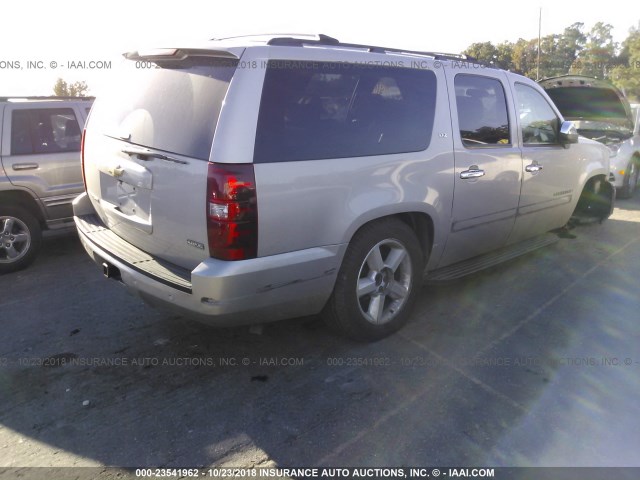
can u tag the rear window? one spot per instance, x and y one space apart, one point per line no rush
317 110
173 107
592 103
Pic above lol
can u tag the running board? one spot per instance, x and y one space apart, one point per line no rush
61 224
491 259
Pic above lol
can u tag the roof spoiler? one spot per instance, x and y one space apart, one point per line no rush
177 54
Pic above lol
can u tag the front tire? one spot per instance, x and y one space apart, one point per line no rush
377 283
596 201
20 238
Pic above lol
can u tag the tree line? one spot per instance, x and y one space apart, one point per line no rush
575 51
65 89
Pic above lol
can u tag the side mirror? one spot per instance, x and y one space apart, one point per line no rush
568 133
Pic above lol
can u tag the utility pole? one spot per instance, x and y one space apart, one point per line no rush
539 33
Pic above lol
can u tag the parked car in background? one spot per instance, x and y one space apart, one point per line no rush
40 172
260 178
601 112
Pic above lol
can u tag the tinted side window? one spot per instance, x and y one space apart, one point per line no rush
46 130
482 111
538 121
315 110
21 142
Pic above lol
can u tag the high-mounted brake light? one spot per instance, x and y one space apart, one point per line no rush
84 178
232 211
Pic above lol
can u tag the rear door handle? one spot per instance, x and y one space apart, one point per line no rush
473 172
533 168
25 166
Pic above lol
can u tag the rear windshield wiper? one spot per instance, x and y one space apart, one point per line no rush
146 154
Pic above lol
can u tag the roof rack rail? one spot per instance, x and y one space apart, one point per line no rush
330 41
266 35
321 39
42 97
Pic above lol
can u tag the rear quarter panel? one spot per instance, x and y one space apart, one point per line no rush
314 203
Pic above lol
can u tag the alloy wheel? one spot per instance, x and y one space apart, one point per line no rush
15 239
384 281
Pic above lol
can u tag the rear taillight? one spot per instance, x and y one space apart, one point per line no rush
84 178
232 211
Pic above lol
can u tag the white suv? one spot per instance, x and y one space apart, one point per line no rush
260 178
601 112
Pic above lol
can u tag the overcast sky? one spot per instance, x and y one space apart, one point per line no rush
60 32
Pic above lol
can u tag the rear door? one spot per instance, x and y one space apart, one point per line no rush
43 152
147 148
487 164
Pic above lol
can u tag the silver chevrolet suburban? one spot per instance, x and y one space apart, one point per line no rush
252 179
40 172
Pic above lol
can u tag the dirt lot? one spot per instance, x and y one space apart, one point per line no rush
532 363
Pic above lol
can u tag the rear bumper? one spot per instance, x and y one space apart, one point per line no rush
216 292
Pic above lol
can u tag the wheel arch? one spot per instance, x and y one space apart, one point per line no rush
20 198
597 198
420 222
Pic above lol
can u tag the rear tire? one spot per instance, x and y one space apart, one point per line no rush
377 283
20 238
